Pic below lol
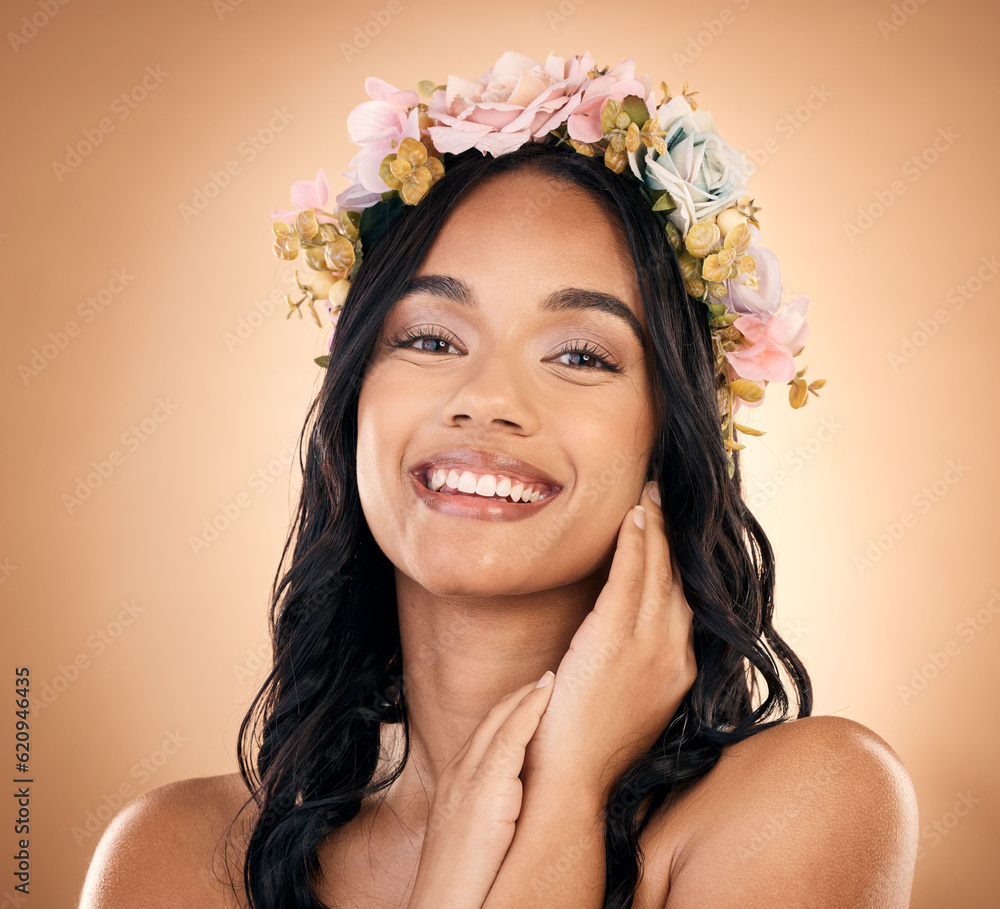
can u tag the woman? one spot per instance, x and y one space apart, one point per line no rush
524 329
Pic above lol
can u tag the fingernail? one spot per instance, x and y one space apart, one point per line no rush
545 679
654 492
639 516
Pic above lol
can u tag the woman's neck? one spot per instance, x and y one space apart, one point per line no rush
461 655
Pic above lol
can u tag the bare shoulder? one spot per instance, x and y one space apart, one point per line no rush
816 812
166 847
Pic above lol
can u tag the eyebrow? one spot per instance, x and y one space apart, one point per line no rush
564 299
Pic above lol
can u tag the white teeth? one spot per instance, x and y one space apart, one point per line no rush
487 485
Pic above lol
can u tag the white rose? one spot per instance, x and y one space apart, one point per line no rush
702 172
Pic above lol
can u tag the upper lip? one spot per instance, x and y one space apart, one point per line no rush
482 461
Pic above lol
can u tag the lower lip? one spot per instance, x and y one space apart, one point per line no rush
473 506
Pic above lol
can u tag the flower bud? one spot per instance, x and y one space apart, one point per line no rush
320 284
728 219
337 295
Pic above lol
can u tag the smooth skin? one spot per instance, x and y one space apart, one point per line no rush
500 805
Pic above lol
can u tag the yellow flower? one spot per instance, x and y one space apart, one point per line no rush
411 171
622 133
732 258
702 239
338 257
653 137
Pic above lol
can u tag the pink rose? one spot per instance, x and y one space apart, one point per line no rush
515 101
377 126
770 344
584 122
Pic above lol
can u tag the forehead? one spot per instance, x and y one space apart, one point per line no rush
533 227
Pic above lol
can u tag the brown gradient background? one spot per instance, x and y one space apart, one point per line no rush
188 662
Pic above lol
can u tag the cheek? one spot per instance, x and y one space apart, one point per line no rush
386 420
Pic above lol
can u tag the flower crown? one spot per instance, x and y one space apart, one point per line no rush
694 180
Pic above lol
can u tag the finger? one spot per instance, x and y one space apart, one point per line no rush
504 755
619 600
659 576
474 749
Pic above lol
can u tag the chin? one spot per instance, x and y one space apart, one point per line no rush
449 574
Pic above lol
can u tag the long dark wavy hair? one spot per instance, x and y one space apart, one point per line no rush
310 741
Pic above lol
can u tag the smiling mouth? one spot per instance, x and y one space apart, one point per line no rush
466 485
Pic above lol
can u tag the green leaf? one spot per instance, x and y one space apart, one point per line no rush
427 88
323 361
636 109
664 203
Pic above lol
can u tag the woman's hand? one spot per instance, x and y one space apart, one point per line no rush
476 802
628 666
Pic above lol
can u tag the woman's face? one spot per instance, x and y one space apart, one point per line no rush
526 271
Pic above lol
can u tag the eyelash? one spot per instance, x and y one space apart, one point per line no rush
416 334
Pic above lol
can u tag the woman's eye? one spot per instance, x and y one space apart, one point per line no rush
590 359
407 341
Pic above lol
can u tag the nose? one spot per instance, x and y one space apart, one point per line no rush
492 389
